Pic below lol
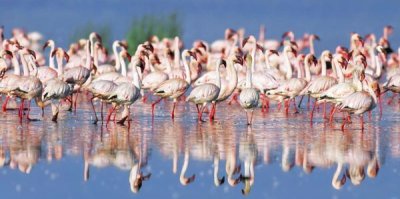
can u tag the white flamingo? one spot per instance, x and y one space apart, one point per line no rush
206 93
174 88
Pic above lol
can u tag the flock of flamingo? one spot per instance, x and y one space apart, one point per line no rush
239 69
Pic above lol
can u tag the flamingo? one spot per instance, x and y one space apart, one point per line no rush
127 93
359 102
249 96
176 87
56 89
28 88
206 93
77 76
292 87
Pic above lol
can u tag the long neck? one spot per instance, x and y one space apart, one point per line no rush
117 61
312 50
150 65
96 56
307 71
187 69
378 71
136 79
373 57
289 72
123 66
176 54
232 76
299 70
60 67
185 165
218 76
32 63
323 64
88 57
51 58
339 71
336 175
24 65
356 81
91 38
15 63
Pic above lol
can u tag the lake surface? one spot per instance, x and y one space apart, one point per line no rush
288 156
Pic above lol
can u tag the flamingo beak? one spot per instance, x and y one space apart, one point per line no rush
9 53
45 45
316 37
245 40
66 56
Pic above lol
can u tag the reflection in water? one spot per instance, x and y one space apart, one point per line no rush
234 151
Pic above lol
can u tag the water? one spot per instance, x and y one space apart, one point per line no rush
289 157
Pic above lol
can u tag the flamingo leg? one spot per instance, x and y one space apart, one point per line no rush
197 108
324 111
331 114
29 110
75 102
344 121
21 110
380 106
308 102
312 111
101 110
362 121
301 100
5 104
295 106
153 106
173 110
110 111
212 112
94 110
200 114
71 102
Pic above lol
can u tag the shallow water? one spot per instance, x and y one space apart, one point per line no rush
289 156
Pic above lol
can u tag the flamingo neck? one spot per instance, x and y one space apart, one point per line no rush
91 38
379 64
185 165
123 66
336 182
135 77
323 64
218 75
299 70
25 68
88 57
307 71
15 63
117 61
95 56
60 67
289 72
51 58
187 69
339 71
312 50
176 53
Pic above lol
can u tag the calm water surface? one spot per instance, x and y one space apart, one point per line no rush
278 157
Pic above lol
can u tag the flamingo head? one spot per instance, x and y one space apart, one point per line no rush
386 45
373 169
60 53
357 39
289 34
47 44
95 35
229 33
355 174
315 37
249 39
